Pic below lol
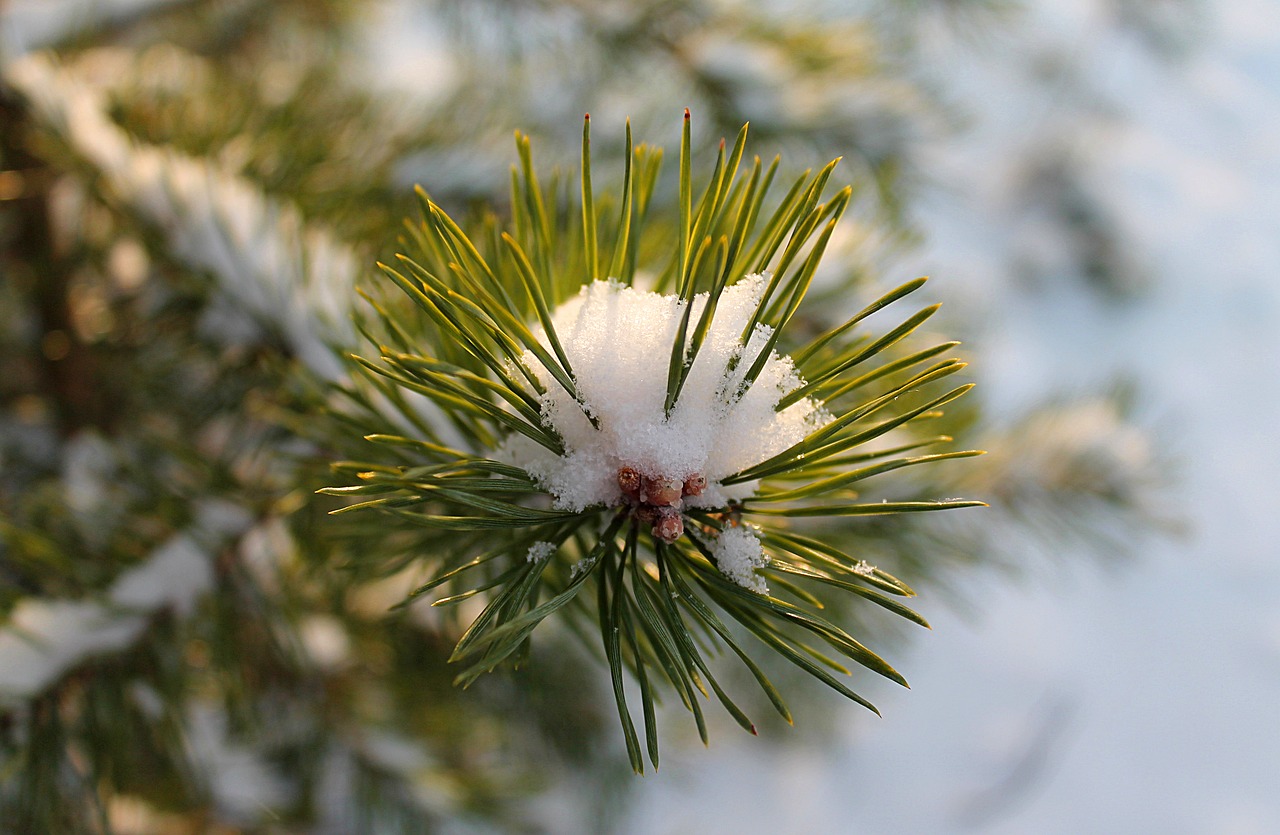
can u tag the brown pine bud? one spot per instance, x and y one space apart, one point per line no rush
695 484
662 492
647 514
629 480
669 526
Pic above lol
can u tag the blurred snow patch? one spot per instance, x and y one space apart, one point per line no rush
177 575
31 24
325 640
43 639
241 783
87 465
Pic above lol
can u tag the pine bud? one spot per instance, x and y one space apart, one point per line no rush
662 492
669 526
629 480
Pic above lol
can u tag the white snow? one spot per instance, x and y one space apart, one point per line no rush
738 554
539 551
87 468
580 566
28 24
618 342
45 638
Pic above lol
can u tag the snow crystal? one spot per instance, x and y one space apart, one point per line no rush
618 341
864 568
738 554
539 551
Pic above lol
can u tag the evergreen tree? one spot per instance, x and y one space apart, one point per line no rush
193 198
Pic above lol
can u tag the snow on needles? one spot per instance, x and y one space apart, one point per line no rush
618 341
43 638
738 554
263 254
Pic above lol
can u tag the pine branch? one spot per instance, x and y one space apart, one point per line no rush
294 279
659 427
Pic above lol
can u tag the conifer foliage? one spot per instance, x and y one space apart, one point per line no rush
616 434
669 418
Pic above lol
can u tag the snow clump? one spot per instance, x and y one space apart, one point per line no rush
618 342
738 554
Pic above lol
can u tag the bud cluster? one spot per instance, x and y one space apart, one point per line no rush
658 500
